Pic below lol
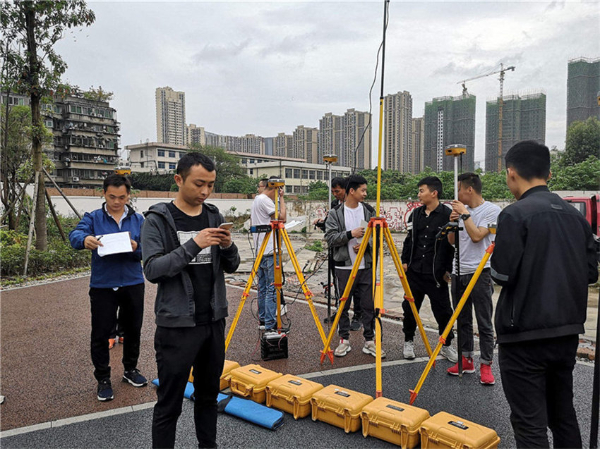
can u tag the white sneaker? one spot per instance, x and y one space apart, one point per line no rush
343 349
283 309
450 353
370 348
409 350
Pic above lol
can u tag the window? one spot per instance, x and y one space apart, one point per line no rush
319 175
142 164
311 174
161 165
48 123
304 174
172 166
161 153
141 153
288 189
172 154
288 172
297 173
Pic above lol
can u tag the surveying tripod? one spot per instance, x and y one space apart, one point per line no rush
279 234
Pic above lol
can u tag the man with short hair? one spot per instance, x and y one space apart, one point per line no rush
117 281
345 228
427 262
474 214
186 253
262 184
544 259
261 213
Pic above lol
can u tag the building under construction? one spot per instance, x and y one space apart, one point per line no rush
523 118
583 89
449 121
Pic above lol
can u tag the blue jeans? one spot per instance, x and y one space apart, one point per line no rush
267 299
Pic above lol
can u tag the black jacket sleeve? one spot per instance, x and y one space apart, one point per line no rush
508 253
408 241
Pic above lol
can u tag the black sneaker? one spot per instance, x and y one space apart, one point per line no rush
105 391
355 325
135 378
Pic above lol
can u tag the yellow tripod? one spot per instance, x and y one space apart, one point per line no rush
279 235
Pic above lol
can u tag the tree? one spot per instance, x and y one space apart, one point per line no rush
228 165
37 26
243 184
583 140
318 190
582 176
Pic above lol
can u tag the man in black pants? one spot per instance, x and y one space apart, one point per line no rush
427 262
185 253
544 259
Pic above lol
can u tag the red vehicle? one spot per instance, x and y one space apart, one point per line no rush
590 209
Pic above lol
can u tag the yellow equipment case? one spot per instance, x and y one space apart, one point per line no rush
393 422
226 376
250 381
292 394
448 431
339 407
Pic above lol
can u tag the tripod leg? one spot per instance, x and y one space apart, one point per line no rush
407 292
249 283
459 307
361 252
378 303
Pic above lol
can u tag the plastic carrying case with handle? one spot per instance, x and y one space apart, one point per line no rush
226 376
393 422
339 407
292 394
448 431
250 381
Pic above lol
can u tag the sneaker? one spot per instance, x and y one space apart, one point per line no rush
283 309
409 350
467 367
355 325
261 325
450 353
111 343
105 391
343 348
135 378
370 348
120 340
487 378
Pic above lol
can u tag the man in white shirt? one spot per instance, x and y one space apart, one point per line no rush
474 215
345 228
261 213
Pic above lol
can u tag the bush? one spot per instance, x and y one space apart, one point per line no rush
316 246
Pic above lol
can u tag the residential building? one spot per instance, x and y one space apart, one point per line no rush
417 145
283 145
583 89
195 135
304 144
170 116
329 139
269 145
523 118
155 157
449 121
398 131
86 139
13 100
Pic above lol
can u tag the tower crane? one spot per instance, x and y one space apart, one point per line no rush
502 71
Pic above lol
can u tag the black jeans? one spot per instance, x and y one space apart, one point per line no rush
362 290
480 299
177 350
537 377
421 285
104 303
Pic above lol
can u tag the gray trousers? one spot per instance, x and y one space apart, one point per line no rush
481 299
362 290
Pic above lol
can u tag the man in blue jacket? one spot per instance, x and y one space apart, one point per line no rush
544 259
185 253
117 281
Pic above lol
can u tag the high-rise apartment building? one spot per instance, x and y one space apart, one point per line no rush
583 89
523 118
397 126
417 144
330 136
304 144
283 145
195 135
449 121
170 116
347 136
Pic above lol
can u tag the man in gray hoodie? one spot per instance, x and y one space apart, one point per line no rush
185 253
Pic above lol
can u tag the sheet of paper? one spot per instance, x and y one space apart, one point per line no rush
363 224
116 243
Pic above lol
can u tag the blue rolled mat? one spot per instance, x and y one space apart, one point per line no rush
245 409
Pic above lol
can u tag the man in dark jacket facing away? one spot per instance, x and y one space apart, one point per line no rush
185 253
544 259
428 264
117 281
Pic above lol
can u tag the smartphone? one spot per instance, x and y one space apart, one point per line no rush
226 226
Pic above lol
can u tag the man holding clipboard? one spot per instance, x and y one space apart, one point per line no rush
112 234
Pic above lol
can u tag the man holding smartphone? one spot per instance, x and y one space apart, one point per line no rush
186 253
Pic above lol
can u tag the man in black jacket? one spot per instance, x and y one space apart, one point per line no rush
185 253
544 259
427 262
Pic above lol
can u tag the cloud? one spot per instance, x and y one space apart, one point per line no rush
220 52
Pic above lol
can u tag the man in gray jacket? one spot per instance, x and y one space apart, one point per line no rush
344 230
185 253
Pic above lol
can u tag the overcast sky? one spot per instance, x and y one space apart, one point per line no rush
267 67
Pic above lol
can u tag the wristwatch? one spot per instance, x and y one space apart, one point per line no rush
465 216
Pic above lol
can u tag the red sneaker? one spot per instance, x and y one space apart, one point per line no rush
487 378
111 343
467 365
120 340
